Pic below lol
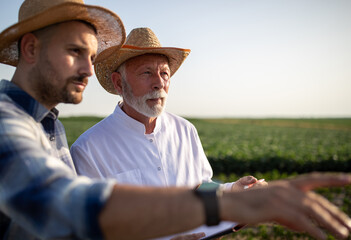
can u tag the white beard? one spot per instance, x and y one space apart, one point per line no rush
139 103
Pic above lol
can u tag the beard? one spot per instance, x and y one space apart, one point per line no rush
48 84
140 103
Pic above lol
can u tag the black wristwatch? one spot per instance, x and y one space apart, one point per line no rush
209 194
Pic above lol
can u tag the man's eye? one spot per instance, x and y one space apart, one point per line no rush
75 50
165 75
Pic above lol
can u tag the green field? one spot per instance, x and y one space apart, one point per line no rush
267 148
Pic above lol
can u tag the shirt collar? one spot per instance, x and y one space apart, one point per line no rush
131 122
26 102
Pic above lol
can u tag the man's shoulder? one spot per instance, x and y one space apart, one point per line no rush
94 133
14 121
170 118
8 108
174 117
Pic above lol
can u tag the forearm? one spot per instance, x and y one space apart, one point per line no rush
142 213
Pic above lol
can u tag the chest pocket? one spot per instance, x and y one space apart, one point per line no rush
132 177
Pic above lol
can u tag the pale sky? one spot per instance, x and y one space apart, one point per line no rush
250 58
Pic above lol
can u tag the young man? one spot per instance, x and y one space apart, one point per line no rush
39 191
52 46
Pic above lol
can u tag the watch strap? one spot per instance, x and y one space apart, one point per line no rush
209 197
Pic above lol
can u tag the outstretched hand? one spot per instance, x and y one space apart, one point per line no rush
291 203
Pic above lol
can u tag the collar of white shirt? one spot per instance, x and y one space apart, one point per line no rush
133 124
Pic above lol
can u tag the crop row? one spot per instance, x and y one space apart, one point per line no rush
244 147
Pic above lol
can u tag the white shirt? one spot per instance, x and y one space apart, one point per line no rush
117 147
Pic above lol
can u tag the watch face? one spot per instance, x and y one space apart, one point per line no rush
209 186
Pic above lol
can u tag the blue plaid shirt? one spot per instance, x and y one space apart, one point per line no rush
40 195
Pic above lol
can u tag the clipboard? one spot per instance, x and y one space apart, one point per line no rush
224 232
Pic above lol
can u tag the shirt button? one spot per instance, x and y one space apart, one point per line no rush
52 138
151 140
159 168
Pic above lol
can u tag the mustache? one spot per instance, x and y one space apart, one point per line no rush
156 94
81 79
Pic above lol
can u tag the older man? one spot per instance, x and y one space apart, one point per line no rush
41 195
140 143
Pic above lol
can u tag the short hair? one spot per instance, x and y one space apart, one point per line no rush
122 69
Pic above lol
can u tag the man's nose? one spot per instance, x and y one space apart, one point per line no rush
86 68
158 82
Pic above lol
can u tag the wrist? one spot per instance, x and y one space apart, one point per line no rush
210 194
224 204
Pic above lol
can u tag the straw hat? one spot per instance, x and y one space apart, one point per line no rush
37 14
139 41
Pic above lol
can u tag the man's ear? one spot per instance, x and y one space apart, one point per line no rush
29 48
116 79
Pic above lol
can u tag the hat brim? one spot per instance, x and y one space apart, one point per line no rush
110 29
114 57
